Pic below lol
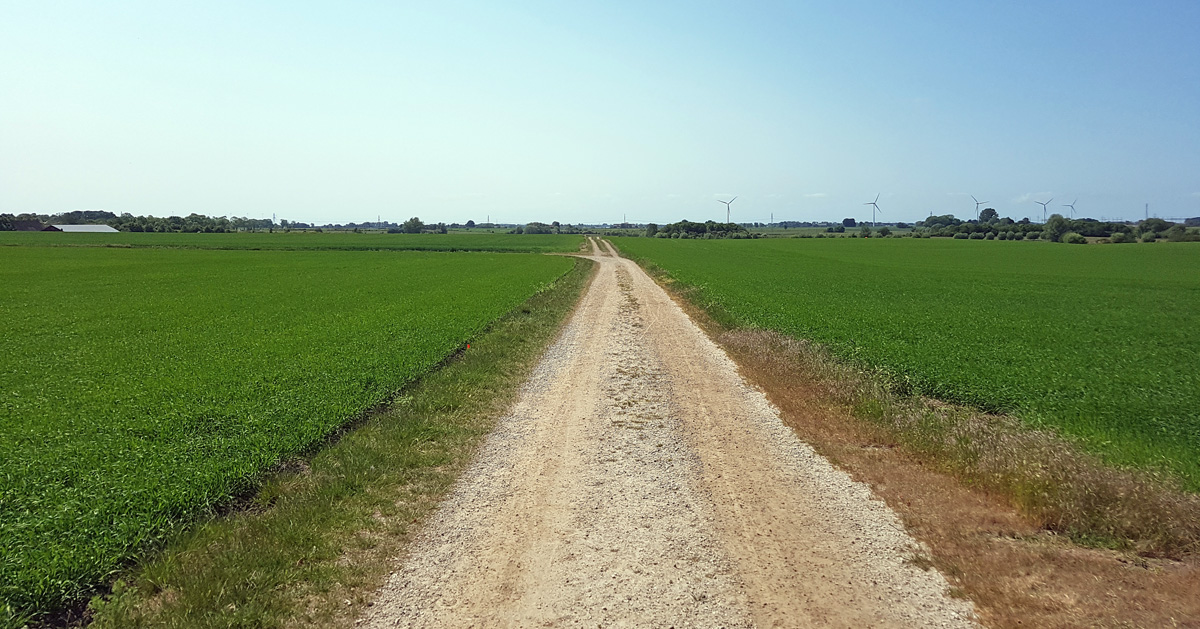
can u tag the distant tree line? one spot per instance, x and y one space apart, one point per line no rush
130 223
1057 228
690 229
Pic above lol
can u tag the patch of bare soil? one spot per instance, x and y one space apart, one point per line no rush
640 481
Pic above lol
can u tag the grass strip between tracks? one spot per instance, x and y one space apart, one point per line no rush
315 542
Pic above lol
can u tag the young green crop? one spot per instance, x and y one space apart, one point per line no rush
345 241
1099 342
143 387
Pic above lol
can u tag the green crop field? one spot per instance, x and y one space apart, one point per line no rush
474 241
1100 342
144 387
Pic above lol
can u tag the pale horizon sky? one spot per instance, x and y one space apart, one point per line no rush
590 112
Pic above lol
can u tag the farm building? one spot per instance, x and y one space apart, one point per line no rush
96 229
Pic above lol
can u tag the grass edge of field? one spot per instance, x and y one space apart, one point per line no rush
1048 478
319 536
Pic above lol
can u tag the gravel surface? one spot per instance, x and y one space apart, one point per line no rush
639 481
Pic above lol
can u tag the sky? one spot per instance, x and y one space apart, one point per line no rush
598 112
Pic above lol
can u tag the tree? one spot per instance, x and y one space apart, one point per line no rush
848 222
651 230
1155 225
866 231
884 232
1055 227
413 226
988 215
470 224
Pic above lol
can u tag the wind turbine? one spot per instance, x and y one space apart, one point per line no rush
1044 208
727 207
874 208
977 204
1072 206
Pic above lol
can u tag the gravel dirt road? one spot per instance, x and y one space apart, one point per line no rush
639 481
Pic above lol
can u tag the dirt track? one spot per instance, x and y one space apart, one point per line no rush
639 481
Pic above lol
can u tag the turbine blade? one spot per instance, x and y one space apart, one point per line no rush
876 198
733 199
974 199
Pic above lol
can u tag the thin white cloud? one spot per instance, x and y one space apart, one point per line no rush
1029 197
817 195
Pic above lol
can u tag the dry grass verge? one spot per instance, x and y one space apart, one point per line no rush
1018 572
1056 485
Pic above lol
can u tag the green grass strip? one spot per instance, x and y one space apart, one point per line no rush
319 537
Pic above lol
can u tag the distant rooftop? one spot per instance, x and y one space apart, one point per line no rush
100 229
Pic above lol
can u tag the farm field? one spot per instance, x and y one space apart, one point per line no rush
1099 342
298 240
144 387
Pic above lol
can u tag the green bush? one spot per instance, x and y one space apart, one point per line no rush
976 236
990 236
960 236
1073 238
1149 237
1120 237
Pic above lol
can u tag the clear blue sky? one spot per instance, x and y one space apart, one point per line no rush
336 112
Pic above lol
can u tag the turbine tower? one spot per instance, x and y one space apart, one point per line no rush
1044 208
727 207
977 204
1072 206
874 208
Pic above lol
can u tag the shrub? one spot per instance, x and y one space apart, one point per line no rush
1149 237
1002 236
1119 237
990 236
960 236
976 236
1073 238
